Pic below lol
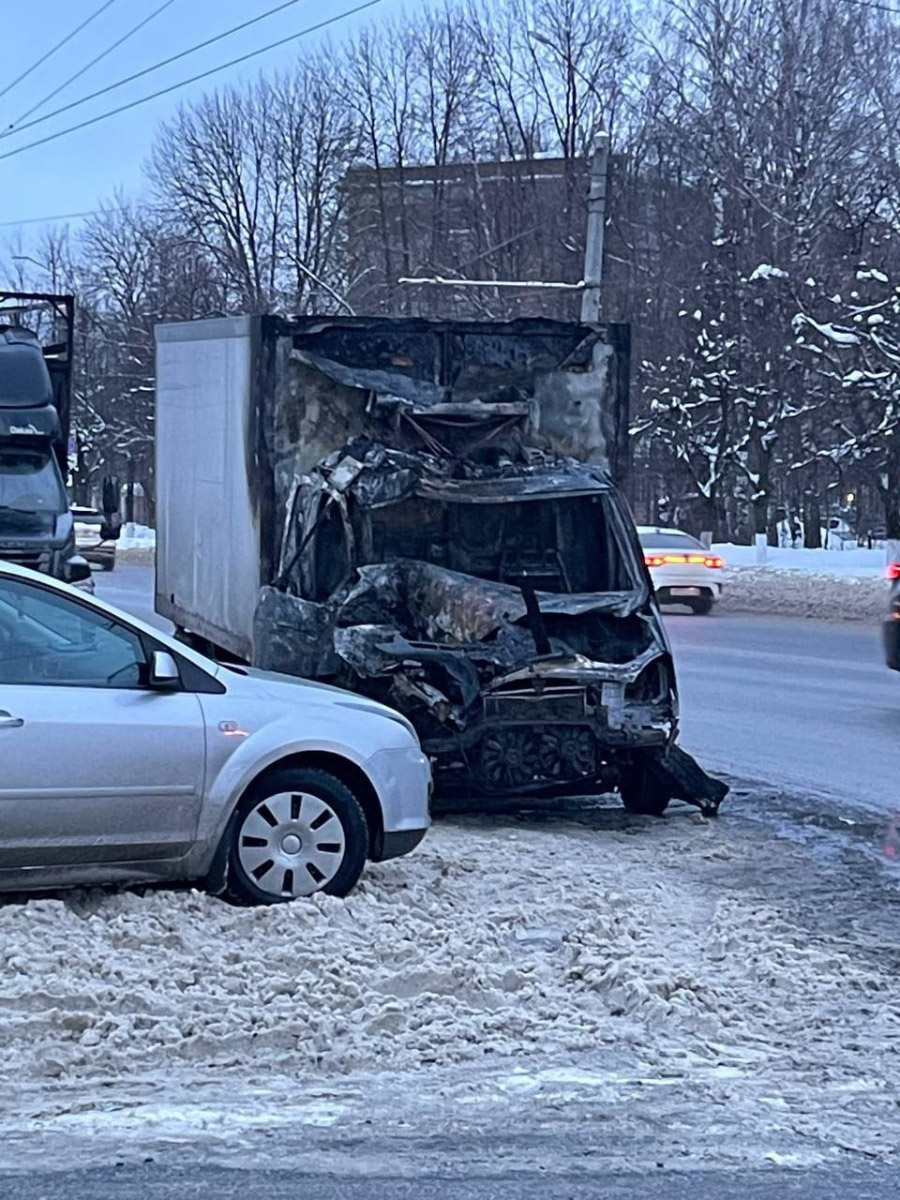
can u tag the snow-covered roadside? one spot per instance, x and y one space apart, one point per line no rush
842 585
802 593
862 564
137 537
558 963
136 546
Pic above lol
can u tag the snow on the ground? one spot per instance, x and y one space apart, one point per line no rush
825 584
515 946
764 590
863 564
137 537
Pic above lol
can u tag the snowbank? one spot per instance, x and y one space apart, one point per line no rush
864 564
137 537
768 590
842 585
505 944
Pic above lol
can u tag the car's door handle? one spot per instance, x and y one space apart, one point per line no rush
8 721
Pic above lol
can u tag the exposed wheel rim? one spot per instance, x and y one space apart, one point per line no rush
291 844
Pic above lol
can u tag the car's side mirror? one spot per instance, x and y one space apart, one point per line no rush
164 673
78 570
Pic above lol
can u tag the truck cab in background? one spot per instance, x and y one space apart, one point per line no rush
37 529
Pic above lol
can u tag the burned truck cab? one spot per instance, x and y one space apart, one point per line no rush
510 618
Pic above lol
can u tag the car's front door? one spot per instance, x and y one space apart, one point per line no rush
95 766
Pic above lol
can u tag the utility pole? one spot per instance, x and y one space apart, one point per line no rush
592 297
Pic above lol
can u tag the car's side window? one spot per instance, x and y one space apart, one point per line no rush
47 638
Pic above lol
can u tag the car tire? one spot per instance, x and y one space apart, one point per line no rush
298 832
641 793
702 607
108 564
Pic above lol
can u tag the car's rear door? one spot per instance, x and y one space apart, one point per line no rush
95 767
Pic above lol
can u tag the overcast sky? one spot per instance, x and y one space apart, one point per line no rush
82 169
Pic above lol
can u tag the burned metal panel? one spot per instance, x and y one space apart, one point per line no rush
294 636
571 374
569 414
457 655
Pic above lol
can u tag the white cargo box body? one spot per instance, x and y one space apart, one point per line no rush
208 557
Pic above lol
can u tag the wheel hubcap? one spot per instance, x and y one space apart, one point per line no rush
291 844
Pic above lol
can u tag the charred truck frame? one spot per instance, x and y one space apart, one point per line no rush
426 512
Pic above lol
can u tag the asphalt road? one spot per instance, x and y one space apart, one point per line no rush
805 705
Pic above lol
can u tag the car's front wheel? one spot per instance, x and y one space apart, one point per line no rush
298 832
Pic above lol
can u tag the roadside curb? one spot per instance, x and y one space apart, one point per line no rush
136 556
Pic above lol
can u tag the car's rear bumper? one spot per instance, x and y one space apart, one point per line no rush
678 585
892 643
683 593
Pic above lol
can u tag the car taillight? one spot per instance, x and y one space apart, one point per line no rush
893 571
694 560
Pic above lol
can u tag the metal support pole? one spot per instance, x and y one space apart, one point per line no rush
592 299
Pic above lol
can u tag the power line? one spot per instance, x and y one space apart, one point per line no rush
74 216
350 12
99 58
59 45
166 62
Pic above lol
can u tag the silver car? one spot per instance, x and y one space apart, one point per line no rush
125 757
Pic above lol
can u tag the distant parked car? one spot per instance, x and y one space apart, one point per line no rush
892 624
95 537
127 757
682 569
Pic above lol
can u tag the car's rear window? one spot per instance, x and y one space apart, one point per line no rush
669 540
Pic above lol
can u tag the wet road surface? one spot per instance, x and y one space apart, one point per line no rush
805 705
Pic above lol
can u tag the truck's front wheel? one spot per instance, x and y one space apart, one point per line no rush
642 792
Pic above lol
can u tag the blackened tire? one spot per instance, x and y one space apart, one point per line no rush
300 831
641 793
702 607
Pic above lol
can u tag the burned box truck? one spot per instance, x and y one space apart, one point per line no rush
426 512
